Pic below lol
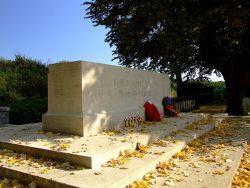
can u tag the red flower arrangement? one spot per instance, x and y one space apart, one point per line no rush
151 112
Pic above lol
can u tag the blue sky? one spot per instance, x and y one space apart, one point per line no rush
51 31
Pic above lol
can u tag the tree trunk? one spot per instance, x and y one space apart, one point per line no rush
234 98
178 77
234 80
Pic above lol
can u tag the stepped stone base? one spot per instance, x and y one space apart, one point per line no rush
97 149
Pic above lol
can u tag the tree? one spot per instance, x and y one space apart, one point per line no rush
179 36
222 29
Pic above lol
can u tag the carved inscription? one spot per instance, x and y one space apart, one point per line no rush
132 88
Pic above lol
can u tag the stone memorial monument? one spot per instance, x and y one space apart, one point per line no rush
85 98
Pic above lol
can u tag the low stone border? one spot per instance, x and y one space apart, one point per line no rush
4 115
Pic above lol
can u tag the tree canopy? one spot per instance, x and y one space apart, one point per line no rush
181 36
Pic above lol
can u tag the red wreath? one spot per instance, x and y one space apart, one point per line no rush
151 112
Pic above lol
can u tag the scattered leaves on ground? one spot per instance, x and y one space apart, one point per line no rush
97 173
242 176
125 156
111 132
147 180
210 149
42 165
8 183
60 147
51 135
162 142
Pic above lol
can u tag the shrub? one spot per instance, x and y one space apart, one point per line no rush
219 89
23 87
22 78
28 110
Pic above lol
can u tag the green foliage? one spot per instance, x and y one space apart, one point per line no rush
23 87
173 87
21 79
28 110
10 87
175 35
219 89
147 34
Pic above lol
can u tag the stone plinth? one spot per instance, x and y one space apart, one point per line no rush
4 115
85 98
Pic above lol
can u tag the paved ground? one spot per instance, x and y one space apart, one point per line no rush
208 162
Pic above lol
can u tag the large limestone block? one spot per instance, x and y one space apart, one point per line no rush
85 98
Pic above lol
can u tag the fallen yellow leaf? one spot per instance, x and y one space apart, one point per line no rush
218 172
